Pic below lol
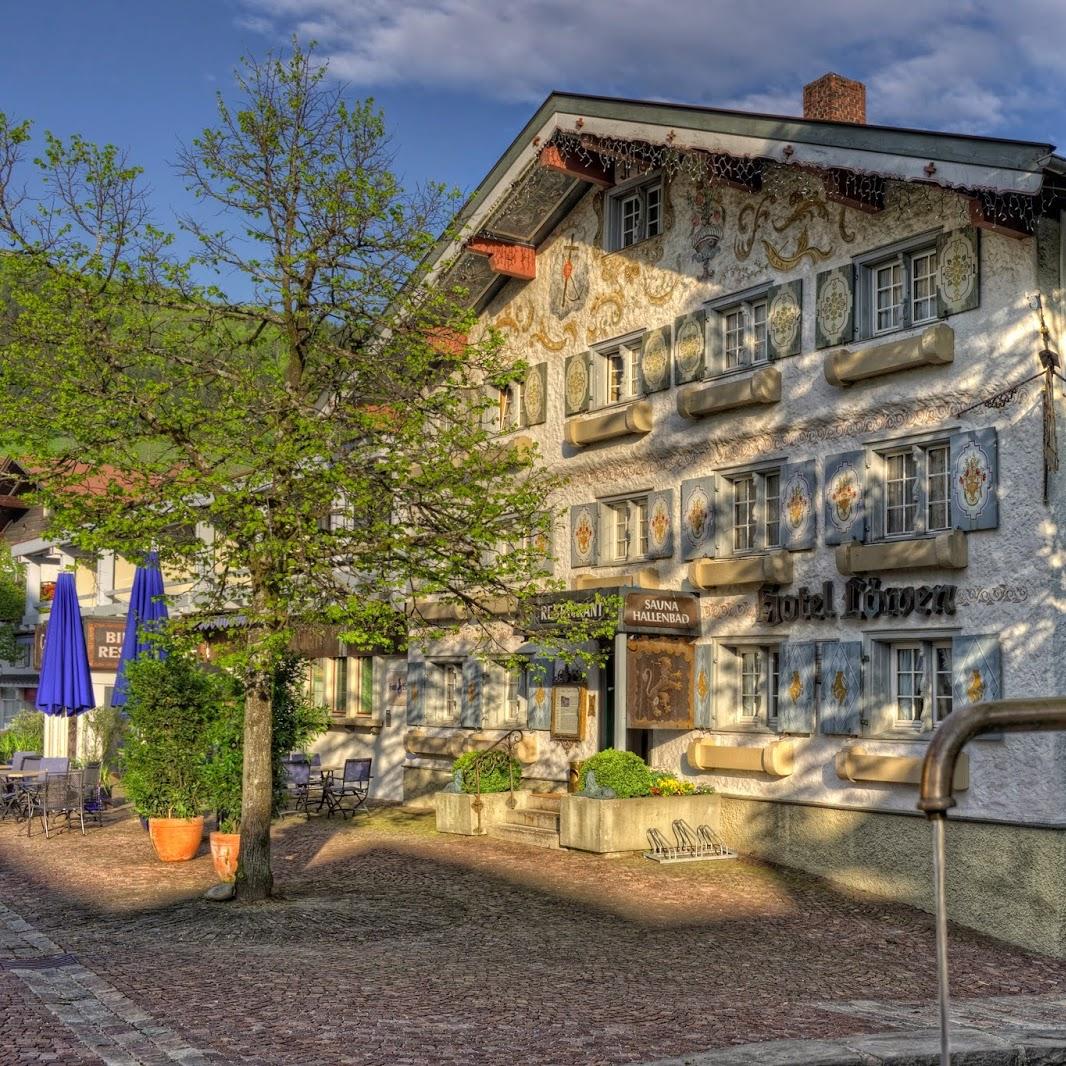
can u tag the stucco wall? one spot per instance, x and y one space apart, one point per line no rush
1013 584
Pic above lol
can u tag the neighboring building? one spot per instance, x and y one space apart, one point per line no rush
791 369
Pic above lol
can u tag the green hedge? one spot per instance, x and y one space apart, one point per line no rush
494 767
624 772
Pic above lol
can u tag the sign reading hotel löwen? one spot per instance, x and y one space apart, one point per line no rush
864 597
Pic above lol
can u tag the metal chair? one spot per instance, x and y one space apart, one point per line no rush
299 786
92 800
55 764
56 794
19 757
354 783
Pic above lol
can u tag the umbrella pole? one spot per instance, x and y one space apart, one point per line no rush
72 737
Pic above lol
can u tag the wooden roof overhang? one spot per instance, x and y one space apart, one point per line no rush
574 142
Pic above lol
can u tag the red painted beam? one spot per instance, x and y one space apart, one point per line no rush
505 257
14 502
553 159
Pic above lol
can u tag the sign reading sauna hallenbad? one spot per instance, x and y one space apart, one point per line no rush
864 598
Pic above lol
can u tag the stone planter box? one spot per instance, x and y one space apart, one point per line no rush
456 814
613 825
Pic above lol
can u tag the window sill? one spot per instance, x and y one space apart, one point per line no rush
776 759
633 418
944 551
646 578
859 767
934 346
729 392
357 725
773 568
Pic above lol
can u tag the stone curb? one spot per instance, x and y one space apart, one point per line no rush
969 1047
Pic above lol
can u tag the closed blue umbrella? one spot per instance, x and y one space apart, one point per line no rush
147 612
65 686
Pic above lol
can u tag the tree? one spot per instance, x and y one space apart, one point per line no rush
311 447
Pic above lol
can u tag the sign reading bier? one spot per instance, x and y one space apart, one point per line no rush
103 641
661 611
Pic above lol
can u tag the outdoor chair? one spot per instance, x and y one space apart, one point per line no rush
350 793
55 795
300 788
19 757
16 794
55 764
92 798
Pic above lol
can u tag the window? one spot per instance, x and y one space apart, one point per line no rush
635 213
506 706
756 510
445 692
917 489
899 289
756 669
627 529
619 375
343 685
744 333
921 682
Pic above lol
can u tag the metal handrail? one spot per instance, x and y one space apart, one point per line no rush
512 738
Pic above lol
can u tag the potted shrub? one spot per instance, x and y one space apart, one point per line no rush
457 806
621 798
223 775
171 705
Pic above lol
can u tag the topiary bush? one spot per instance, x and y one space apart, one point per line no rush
624 772
494 771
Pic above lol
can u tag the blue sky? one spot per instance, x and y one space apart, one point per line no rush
459 78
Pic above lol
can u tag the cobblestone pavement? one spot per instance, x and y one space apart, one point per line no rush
390 944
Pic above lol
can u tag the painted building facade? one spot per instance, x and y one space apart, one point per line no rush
791 372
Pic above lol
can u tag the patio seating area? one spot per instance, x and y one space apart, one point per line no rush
339 790
47 791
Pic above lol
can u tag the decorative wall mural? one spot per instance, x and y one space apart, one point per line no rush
659 286
803 208
605 314
708 225
659 684
843 492
783 319
569 287
553 344
518 318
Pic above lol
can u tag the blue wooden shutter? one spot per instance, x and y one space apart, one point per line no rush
702 679
976 669
725 694
784 319
538 681
659 516
697 517
655 359
471 711
834 306
576 380
416 693
690 346
920 489
958 271
875 498
975 479
844 485
799 520
796 687
715 361
584 534
722 529
841 687
878 710
535 395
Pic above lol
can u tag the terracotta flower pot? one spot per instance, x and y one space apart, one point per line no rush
176 839
225 851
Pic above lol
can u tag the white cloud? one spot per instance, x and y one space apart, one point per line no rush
972 65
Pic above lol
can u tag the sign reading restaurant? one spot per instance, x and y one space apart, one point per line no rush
864 598
638 612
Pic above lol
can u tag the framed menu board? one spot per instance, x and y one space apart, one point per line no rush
569 712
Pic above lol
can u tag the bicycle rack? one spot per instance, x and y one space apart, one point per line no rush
689 845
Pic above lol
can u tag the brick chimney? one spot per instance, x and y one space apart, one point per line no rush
835 99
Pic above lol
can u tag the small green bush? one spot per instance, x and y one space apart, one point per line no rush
25 733
624 772
494 771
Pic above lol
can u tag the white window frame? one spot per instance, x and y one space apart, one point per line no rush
511 711
765 706
922 519
762 480
448 710
932 711
745 343
626 534
635 212
326 674
915 262
626 352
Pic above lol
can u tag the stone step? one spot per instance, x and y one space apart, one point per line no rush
525 834
543 801
543 819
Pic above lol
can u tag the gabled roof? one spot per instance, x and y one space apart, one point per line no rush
523 202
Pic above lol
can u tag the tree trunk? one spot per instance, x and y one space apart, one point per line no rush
254 879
